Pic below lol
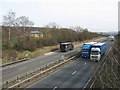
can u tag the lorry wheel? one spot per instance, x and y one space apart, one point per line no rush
83 57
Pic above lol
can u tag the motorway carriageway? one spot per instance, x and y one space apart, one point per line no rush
23 67
74 75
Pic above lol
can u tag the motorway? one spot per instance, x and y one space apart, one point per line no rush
23 67
74 75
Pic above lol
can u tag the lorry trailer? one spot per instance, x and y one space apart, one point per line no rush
97 51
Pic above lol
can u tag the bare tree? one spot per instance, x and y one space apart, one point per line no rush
76 28
51 25
71 27
85 30
9 20
24 22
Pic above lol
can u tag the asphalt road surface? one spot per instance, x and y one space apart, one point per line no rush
74 75
23 67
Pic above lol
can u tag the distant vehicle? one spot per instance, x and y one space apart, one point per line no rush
97 51
86 49
112 38
64 47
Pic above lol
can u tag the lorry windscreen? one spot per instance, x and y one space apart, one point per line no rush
96 46
94 52
85 50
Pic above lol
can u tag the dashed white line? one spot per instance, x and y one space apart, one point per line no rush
50 53
54 88
21 68
84 63
73 72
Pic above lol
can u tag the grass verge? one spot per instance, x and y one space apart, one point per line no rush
40 51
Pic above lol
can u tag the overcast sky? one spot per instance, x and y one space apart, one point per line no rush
96 15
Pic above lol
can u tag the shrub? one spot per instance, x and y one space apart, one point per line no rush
52 36
10 55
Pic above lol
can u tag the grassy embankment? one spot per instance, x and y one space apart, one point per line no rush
41 51
20 44
109 76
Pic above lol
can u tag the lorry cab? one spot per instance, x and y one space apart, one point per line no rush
95 54
86 49
97 51
66 46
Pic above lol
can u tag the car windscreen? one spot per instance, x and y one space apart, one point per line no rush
62 46
94 52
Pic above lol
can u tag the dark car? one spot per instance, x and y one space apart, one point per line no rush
66 46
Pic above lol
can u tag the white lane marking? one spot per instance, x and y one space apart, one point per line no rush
96 70
54 88
21 68
85 64
50 53
73 72
50 74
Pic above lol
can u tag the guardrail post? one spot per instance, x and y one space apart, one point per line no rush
18 85
50 64
24 74
7 82
17 77
46 66
28 80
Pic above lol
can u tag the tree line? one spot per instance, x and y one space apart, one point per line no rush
51 37
16 35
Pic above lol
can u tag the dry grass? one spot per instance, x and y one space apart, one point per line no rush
41 51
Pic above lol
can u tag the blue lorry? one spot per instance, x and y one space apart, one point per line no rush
97 51
86 49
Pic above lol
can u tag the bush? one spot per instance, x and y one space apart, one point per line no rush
29 44
10 55
53 36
